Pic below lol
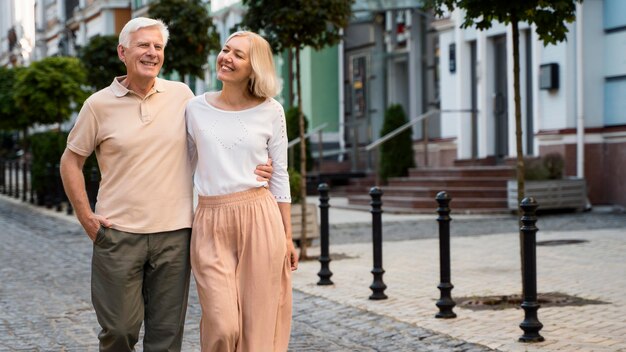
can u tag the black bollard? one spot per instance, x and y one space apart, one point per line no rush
324 258
378 286
531 324
445 302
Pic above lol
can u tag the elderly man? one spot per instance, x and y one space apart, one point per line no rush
141 227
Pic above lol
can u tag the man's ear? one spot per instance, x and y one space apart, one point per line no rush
120 53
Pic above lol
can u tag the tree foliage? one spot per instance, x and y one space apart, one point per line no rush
549 16
50 90
101 62
396 155
289 24
192 35
9 112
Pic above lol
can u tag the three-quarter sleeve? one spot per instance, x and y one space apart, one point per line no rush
277 150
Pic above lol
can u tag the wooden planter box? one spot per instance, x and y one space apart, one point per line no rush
569 193
312 227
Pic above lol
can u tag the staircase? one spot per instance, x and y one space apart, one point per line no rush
473 189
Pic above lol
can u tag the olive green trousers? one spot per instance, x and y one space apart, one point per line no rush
139 278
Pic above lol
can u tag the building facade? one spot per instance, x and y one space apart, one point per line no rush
572 96
17 32
63 26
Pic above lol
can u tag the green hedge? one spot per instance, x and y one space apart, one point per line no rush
46 149
293 132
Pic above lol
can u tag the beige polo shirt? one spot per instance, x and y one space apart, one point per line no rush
141 147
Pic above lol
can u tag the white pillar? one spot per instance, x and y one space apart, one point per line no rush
580 96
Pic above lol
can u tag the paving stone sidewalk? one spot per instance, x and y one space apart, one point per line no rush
489 265
45 299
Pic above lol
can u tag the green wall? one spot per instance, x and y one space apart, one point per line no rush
320 87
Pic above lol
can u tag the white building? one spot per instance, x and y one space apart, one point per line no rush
65 25
17 32
572 95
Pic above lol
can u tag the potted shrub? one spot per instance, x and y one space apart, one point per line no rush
312 227
545 182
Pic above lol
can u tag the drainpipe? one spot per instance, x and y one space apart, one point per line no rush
580 98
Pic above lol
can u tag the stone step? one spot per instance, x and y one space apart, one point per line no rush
447 182
468 171
453 192
459 204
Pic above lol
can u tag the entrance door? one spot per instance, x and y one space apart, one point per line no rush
500 110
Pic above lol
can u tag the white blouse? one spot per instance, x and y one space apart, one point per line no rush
227 146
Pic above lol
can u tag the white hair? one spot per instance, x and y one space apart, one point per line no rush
141 22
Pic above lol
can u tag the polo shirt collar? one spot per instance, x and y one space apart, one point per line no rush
119 90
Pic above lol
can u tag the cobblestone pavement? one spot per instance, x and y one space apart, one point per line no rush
45 299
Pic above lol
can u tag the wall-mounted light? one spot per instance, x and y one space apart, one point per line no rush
549 76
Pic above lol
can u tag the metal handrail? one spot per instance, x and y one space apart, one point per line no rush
399 130
315 130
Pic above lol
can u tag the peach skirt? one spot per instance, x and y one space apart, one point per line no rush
239 261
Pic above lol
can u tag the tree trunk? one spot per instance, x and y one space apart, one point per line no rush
303 241
518 135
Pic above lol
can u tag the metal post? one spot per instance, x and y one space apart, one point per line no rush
3 183
10 184
355 147
531 324
24 180
16 189
324 258
425 135
378 286
320 152
445 302
48 190
32 190
93 187
58 189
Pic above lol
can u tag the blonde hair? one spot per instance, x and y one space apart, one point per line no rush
264 82
141 22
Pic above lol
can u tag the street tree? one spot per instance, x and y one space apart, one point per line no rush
9 112
10 115
50 90
293 25
101 62
548 16
192 35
